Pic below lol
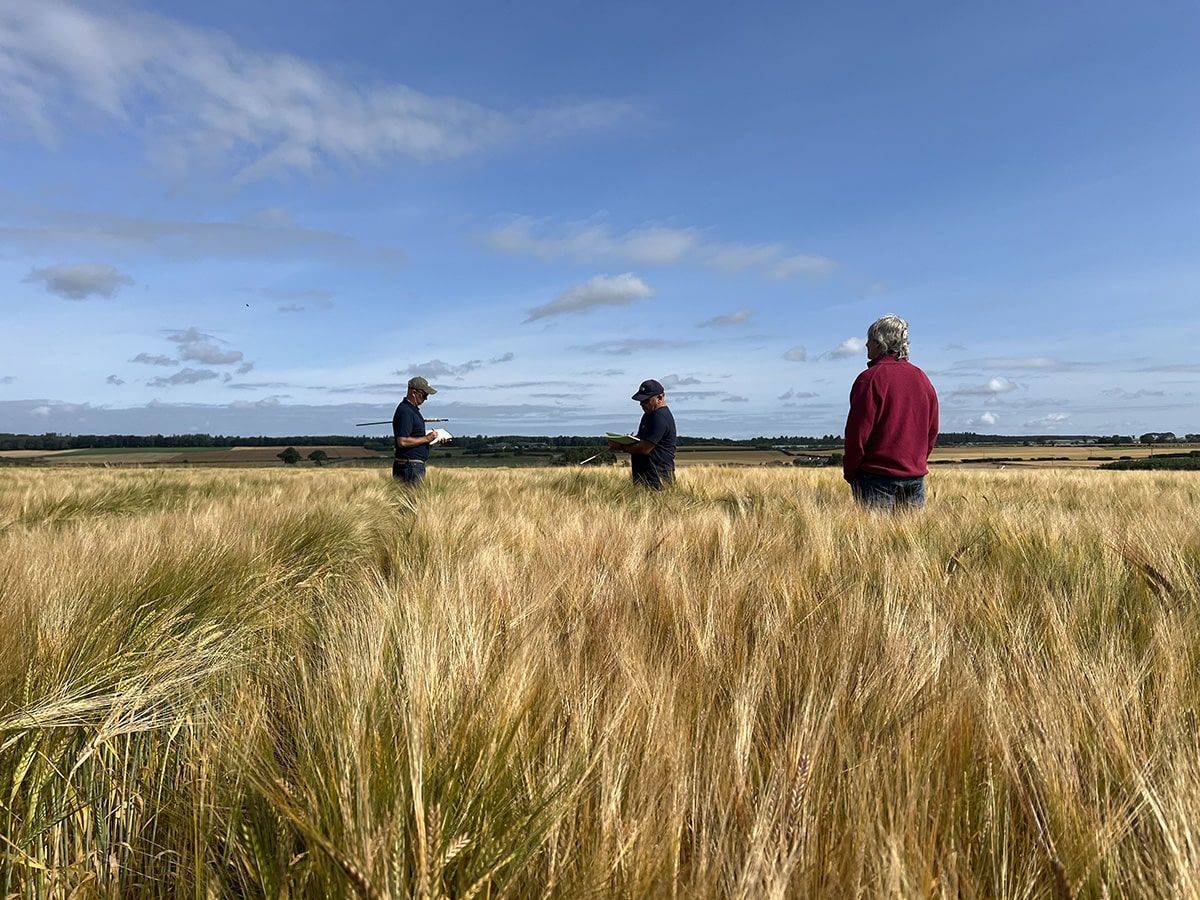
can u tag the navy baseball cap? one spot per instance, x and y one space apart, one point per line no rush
647 389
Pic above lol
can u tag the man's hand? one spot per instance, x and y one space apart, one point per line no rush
615 447
431 436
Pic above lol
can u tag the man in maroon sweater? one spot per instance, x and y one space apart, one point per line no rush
893 423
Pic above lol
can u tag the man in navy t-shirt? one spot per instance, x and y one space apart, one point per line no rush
653 456
408 428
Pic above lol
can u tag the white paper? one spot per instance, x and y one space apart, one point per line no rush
442 436
625 439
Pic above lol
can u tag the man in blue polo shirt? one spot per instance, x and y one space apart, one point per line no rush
653 456
408 428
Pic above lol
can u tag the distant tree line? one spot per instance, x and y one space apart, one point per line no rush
479 442
953 438
1167 437
53 441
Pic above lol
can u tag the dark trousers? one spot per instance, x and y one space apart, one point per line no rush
410 471
888 493
653 478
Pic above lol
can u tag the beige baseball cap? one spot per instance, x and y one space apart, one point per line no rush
420 384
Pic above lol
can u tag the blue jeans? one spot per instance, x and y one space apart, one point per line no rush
888 493
411 472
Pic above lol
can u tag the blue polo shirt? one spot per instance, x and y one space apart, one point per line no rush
408 422
658 465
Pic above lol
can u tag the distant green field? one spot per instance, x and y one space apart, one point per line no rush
1179 462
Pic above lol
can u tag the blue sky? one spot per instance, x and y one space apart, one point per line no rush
262 218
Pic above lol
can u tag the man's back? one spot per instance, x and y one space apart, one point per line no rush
893 421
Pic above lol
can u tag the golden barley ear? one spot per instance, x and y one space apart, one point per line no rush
1155 580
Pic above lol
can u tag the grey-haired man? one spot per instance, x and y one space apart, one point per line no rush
892 425
408 428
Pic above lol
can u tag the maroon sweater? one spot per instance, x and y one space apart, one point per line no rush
893 421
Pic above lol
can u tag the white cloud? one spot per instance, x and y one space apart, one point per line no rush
1051 420
8 379
735 398
651 245
630 346
986 420
1029 363
1123 394
796 354
436 368
113 379
269 233
162 417
673 381
189 335
689 396
847 348
602 290
209 354
993 387
199 347
793 394
654 245
270 402
78 282
183 376
1179 367
155 360
260 385
741 317
201 98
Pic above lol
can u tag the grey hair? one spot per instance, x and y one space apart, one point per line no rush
891 333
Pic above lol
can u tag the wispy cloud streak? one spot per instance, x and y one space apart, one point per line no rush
652 245
204 99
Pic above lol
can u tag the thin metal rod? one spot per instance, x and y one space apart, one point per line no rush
389 422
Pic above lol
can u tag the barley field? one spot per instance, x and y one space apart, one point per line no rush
272 683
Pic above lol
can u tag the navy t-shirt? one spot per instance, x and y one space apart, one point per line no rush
408 422
658 465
